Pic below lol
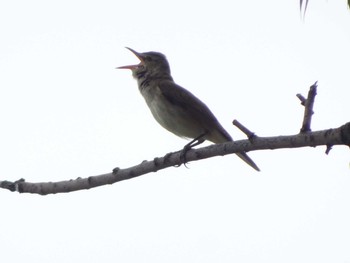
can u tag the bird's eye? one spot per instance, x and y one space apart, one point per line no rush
148 58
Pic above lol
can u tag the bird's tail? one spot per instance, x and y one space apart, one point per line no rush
248 160
220 135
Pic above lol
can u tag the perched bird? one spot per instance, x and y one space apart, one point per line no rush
175 108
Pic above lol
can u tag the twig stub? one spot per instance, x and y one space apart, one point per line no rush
308 112
244 129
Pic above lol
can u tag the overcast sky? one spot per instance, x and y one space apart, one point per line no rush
66 112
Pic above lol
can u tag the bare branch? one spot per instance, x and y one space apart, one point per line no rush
338 136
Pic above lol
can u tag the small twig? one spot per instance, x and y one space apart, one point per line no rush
244 129
301 98
302 13
309 104
329 148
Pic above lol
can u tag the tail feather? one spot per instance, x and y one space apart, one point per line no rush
248 160
220 135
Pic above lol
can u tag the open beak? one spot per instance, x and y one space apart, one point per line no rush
138 55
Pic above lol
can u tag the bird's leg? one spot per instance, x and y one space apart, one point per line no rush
196 141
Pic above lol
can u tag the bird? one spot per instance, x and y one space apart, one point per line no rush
175 108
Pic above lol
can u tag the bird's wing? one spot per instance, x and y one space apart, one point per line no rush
180 97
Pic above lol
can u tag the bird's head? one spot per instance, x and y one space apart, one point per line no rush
152 65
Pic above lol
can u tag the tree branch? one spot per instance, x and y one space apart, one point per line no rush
306 138
338 136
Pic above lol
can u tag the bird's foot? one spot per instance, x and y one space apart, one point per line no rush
183 156
196 141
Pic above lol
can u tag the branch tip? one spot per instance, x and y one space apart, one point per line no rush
12 186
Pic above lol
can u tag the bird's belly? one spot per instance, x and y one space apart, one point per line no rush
174 118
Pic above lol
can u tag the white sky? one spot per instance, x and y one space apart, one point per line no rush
67 112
